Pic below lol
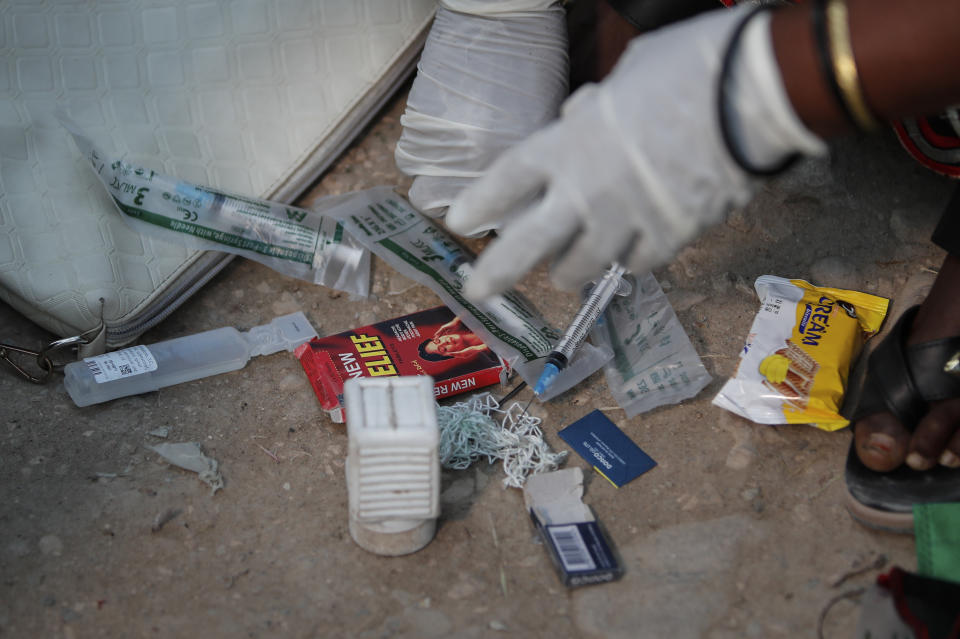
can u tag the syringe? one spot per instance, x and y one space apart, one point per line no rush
609 285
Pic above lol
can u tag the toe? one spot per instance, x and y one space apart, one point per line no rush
881 442
935 435
951 454
950 457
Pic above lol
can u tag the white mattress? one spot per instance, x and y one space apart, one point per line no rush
251 96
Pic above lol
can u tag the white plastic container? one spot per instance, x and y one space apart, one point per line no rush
142 369
393 468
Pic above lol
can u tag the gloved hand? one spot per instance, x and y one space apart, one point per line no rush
491 73
636 166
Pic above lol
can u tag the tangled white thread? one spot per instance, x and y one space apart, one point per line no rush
470 430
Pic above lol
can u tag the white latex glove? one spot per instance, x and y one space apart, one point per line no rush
636 166
490 74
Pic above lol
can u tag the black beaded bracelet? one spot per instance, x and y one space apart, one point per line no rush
739 157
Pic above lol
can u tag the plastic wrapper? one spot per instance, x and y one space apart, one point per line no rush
653 363
423 251
189 456
795 364
308 245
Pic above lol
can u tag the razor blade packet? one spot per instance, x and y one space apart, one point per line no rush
575 541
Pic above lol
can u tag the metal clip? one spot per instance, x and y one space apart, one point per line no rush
56 345
41 357
42 362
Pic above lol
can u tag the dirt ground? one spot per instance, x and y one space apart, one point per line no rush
740 531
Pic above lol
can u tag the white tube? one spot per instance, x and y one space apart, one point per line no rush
141 369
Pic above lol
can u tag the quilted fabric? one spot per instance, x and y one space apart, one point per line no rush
251 96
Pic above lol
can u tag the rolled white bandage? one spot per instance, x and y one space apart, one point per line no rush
494 7
488 77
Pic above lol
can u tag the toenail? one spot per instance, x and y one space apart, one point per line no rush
917 461
949 459
880 442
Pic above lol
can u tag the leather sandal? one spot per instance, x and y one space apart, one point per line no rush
903 380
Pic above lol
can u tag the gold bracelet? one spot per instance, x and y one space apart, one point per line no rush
844 65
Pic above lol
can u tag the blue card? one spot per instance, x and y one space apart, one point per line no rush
612 453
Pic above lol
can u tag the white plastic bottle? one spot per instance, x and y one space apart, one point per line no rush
142 369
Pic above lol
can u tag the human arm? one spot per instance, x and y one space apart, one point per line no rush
906 54
636 166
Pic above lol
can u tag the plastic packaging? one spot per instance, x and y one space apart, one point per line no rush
423 251
653 363
189 456
483 84
141 369
596 299
308 245
794 367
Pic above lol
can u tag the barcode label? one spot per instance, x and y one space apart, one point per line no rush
571 548
125 363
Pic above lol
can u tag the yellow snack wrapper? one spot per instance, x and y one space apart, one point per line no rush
794 367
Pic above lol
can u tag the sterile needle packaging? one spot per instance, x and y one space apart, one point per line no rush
653 362
331 246
308 245
423 251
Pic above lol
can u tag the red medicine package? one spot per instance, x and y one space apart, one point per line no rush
432 342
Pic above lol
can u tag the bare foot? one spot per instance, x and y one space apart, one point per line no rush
882 442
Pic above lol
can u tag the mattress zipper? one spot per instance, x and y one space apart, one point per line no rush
188 283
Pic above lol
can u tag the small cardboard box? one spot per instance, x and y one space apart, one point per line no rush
431 342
